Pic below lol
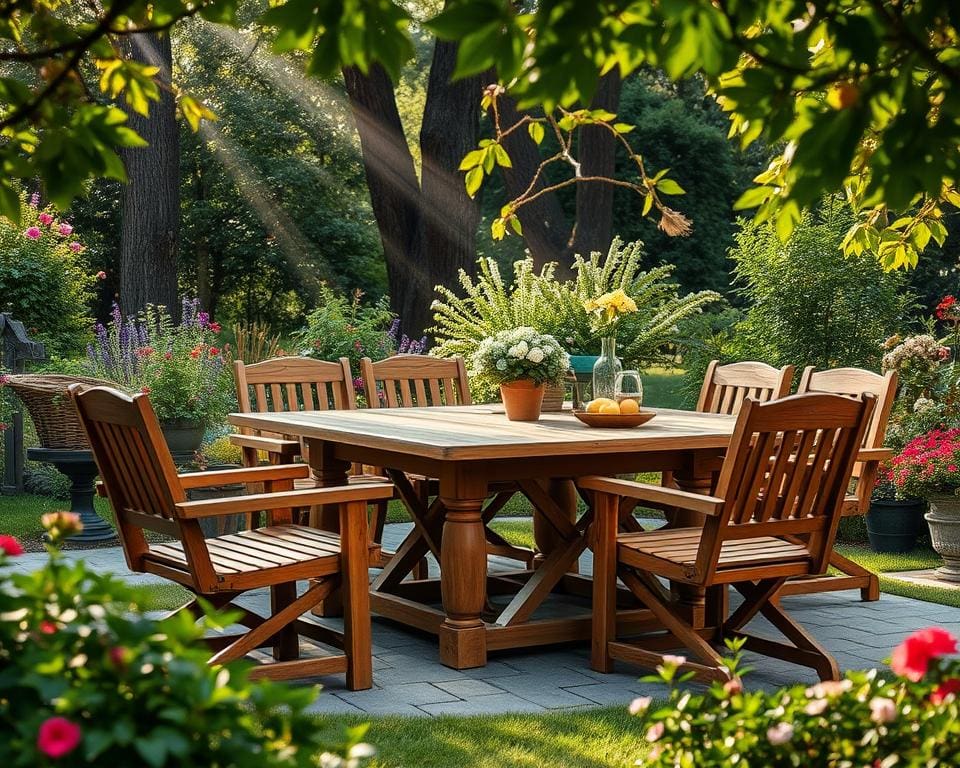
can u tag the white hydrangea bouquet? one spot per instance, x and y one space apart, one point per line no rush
521 354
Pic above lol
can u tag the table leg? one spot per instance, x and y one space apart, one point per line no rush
328 472
463 579
692 600
564 493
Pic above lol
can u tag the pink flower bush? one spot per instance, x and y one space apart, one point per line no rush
76 248
45 218
58 737
65 229
33 233
927 465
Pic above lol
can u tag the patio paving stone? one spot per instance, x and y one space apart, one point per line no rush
409 680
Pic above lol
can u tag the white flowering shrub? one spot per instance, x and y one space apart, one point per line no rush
520 353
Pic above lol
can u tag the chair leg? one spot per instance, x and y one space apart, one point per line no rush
287 642
604 582
357 644
806 650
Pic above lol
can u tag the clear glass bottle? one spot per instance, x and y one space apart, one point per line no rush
605 370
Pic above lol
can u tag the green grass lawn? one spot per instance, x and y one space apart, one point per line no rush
20 515
661 387
596 738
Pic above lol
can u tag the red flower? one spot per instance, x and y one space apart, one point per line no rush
144 351
947 687
167 355
101 275
195 352
215 327
944 307
10 546
146 390
58 736
214 351
118 656
47 627
911 658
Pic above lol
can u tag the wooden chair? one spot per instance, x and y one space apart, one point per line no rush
408 381
146 493
292 384
853 382
785 475
723 391
725 387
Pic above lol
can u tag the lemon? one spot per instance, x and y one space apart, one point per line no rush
610 408
629 406
594 406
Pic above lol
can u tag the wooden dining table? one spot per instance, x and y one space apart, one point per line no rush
478 459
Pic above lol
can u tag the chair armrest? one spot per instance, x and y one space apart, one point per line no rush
653 494
875 454
259 502
244 475
288 448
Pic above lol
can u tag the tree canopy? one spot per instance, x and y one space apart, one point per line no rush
862 96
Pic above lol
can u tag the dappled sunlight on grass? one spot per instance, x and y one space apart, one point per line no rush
598 738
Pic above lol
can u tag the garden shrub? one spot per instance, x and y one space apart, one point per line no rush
808 304
343 326
180 366
873 718
535 299
87 680
44 281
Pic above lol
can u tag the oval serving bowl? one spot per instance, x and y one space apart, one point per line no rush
614 420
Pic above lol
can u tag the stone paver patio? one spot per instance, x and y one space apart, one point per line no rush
409 680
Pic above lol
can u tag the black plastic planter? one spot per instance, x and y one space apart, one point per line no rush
893 526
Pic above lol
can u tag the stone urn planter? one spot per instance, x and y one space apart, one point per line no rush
893 525
522 399
944 521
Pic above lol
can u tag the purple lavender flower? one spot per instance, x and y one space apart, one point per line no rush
394 330
35 200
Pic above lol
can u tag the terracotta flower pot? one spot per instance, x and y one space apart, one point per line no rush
522 399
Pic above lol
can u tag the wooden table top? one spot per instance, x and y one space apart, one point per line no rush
484 432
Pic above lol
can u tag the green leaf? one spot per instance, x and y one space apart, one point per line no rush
220 12
623 127
752 198
473 180
536 132
647 204
669 187
461 19
502 158
515 224
9 201
471 160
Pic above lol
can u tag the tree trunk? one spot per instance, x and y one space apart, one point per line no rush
593 229
391 180
150 201
447 236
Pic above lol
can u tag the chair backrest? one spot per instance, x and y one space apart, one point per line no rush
854 382
294 384
407 381
786 474
140 477
725 387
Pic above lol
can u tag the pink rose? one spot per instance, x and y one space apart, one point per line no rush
65 229
76 248
101 275
33 233
46 219
779 734
58 737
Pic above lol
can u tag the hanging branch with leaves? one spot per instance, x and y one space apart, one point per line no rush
563 124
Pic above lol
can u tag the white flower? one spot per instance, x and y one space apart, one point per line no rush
655 731
535 355
780 733
816 707
501 364
883 710
637 706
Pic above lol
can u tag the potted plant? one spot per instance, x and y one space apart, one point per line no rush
521 361
216 455
893 525
179 366
929 467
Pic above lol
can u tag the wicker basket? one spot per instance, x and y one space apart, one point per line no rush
55 418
